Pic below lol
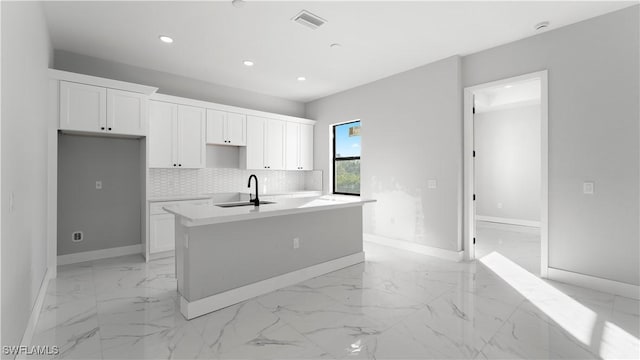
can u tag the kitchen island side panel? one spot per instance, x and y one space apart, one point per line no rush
225 256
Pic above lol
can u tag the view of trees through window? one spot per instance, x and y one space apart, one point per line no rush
346 158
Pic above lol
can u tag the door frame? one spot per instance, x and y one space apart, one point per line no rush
469 214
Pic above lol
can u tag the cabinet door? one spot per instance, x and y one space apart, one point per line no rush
292 146
161 233
274 140
83 107
255 142
126 112
306 147
215 127
236 129
191 137
163 152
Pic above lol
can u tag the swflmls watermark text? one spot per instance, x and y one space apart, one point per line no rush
30 350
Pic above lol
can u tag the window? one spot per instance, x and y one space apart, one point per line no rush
346 158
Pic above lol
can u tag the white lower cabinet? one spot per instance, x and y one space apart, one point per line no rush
161 233
162 224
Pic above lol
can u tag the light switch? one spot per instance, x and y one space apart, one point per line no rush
99 185
588 188
432 184
499 205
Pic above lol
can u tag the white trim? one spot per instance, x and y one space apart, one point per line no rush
502 220
103 82
35 312
596 283
415 247
221 107
469 206
99 254
192 309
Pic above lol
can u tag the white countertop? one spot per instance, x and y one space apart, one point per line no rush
211 195
196 215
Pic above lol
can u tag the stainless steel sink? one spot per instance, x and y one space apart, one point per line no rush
243 203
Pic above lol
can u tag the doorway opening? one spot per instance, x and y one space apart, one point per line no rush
506 172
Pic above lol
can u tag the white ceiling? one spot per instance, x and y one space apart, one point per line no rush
378 38
520 93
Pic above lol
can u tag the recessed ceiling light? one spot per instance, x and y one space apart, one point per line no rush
335 46
248 63
508 86
541 25
165 39
237 3
301 78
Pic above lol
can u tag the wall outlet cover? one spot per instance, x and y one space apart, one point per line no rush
432 184
588 188
77 236
99 185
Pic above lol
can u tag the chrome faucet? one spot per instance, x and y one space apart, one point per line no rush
255 201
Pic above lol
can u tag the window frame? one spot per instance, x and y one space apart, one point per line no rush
346 158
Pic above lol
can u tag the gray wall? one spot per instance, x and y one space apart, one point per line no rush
176 85
507 143
26 54
411 132
109 217
593 136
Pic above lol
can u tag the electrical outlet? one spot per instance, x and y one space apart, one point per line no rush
77 236
499 205
296 243
588 188
432 184
99 185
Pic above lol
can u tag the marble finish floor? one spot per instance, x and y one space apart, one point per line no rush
520 244
396 305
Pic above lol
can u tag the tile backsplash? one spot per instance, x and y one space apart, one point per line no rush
170 182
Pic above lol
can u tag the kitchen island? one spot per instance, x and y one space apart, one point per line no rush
225 255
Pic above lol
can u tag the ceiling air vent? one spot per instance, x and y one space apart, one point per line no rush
309 20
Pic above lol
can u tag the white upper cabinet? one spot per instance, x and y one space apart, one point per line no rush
274 144
163 122
226 128
83 107
191 137
255 157
126 112
299 146
236 129
176 136
265 143
216 127
96 109
306 147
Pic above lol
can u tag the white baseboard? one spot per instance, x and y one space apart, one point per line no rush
501 220
596 283
415 247
193 309
99 254
35 313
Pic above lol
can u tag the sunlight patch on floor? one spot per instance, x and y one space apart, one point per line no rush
574 317
577 319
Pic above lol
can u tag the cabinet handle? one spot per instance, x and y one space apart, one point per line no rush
109 129
102 128
175 165
179 164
